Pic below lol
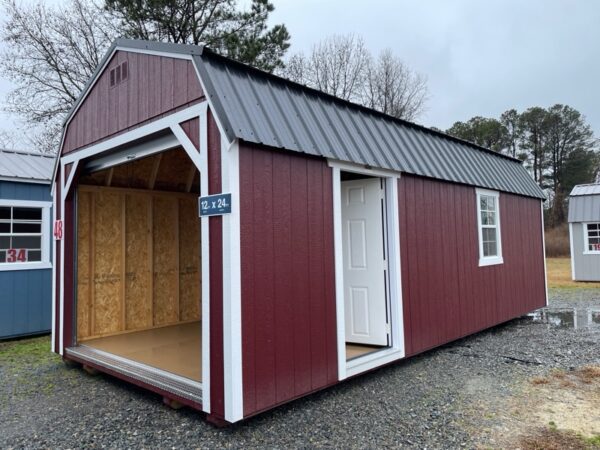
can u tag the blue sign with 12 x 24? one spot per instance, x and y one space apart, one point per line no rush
214 205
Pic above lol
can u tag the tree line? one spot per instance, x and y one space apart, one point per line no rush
556 144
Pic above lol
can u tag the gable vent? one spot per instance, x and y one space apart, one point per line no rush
119 74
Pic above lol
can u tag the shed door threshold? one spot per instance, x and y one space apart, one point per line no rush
178 385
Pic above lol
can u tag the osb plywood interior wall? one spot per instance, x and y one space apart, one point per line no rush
138 248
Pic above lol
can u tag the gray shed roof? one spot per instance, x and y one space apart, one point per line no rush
585 189
26 166
584 203
262 108
265 109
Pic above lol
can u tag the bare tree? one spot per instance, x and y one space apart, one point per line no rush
7 140
336 65
343 66
51 53
393 88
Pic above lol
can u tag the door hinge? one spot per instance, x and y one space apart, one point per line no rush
388 329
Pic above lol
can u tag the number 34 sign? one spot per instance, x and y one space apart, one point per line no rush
214 205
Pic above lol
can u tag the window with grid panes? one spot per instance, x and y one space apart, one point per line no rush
592 237
21 237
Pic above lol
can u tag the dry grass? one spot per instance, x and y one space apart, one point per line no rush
588 374
559 275
540 380
557 242
552 439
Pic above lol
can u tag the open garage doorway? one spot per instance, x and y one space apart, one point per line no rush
139 264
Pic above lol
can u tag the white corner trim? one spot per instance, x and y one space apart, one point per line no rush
397 350
232 291
205 250
54 273
62 265
544 250
572 251
489 260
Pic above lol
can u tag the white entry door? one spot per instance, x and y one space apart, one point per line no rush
364 262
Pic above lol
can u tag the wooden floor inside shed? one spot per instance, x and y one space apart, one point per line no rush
175 348
356 350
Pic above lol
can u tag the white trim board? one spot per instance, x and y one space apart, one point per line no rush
232 290
397 349
205 251
572 251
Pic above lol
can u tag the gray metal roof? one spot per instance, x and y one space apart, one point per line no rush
584 203
262 108
26 166
259 107
585 189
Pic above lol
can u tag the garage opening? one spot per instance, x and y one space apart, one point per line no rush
139 264
365 273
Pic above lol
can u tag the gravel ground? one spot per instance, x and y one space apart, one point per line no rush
424 402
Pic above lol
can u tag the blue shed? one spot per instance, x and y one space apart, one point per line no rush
25 238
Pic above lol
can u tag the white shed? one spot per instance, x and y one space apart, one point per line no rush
584 231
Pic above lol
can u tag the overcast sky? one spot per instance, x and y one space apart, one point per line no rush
480 57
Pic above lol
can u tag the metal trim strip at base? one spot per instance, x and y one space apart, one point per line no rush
161 379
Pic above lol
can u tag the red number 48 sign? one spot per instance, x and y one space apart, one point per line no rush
58 230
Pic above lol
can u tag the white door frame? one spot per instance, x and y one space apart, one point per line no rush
396 351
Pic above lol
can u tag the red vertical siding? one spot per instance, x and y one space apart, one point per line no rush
216 275
288 291
439 241
192 130
156 86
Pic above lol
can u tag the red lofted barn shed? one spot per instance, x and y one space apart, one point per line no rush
233 241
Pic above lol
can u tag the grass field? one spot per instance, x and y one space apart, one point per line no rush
559 275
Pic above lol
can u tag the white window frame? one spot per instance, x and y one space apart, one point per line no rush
45 242
586 251
489 260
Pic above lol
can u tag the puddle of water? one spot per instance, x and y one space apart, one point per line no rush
568 317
